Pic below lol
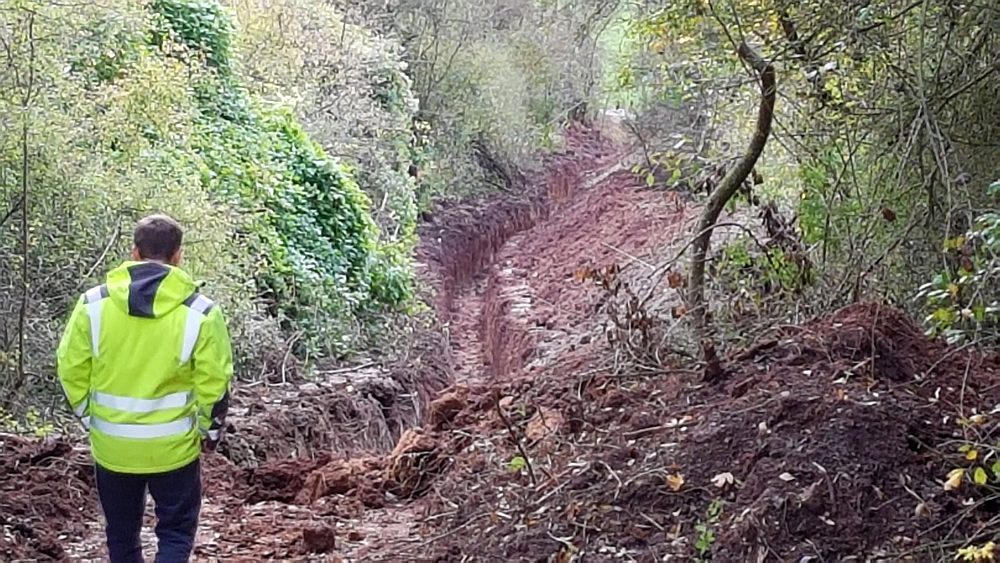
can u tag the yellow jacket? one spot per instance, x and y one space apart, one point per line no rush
146 364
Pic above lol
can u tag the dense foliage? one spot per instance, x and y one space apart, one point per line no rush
495 79
881 155
349 88
123 109
964 302
299 140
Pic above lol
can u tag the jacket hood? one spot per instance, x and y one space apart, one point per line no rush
149 289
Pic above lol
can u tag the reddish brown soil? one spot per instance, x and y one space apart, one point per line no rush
823 442
44 497
831 454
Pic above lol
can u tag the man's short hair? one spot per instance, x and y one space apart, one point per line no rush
158 237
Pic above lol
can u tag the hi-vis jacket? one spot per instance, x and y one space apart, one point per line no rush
146 364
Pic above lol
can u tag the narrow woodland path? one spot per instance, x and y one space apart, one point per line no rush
526 309
464 330
477 323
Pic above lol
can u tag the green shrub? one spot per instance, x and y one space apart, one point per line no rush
350 91
145 108
203 25
963 300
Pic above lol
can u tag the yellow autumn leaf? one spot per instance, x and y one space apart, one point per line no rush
971 455
977 553
954 243
979 476
954 479
675 482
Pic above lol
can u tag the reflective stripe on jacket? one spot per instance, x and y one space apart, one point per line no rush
146 364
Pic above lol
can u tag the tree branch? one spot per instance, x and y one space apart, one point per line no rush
514 436
10 212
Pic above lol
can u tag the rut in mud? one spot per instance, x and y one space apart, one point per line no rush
518 433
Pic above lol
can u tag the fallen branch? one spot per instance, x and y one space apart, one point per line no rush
348 369
513 436
728 187
629 256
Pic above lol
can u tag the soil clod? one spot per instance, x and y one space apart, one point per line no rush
319 539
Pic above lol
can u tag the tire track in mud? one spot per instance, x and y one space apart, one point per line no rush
465 339
465 242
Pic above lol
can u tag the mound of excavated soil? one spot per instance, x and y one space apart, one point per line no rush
865 340
46 493
829 441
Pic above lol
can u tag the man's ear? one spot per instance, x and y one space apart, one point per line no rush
175 260
135 254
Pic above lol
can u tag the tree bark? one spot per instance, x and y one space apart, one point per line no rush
22 325
697 305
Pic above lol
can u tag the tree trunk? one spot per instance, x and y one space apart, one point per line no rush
22 320
697 305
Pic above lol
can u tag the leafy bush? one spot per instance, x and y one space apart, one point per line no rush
31 422
103 149
349 88
876 146
963 300
496 78
202 25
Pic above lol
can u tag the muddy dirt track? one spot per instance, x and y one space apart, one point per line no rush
521 435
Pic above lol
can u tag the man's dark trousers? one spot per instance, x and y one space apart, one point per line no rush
177 496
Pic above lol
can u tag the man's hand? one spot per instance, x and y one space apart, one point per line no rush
210 440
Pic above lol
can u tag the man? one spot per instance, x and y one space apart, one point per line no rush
146 364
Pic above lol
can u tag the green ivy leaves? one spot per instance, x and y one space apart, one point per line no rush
204 26
323 263
962 301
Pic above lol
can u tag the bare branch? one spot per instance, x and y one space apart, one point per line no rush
10 212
